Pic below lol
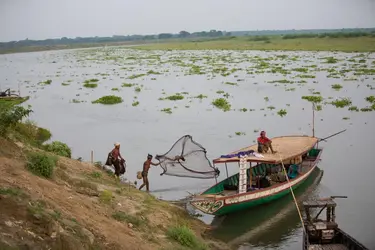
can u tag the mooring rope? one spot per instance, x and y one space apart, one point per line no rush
294 197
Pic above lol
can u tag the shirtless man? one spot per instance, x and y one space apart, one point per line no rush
146 166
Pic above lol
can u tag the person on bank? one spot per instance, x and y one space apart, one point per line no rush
146 166
264 144
114 158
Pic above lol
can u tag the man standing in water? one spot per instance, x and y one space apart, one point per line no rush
146 166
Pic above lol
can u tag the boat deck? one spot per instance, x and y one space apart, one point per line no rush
328 247
286 146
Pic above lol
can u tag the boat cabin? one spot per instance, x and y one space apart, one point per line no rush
320 234
257 171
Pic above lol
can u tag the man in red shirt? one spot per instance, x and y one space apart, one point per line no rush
264 143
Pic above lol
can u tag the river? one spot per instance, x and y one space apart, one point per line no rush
347 160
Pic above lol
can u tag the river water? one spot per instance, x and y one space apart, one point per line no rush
347 160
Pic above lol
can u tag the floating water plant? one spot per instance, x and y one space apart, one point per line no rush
266 99
220 92
243 109
230 83
167 110
331 60
91 80
175 97
336 86
65 84
115 89
108 100
366 109
222 104
281 81
353 108
305 76
47 82
137 89
342 102
201 96
240 133
313 98
282 112
90 85
135 103
303 70
151 72
127 85
318 107
271 107
370 99
136 76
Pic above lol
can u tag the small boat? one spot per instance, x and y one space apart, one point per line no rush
261 178
325 234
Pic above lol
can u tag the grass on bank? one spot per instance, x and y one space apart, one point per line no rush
360 44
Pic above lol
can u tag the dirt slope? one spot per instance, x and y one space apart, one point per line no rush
81 207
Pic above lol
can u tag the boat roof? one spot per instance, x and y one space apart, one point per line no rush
287 147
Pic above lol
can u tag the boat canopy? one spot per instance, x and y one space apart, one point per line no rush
287 147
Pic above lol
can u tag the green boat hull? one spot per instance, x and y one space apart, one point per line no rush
221 205
249 204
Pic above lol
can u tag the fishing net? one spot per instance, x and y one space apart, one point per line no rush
187 158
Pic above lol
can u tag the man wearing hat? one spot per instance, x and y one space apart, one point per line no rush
116 157
146 166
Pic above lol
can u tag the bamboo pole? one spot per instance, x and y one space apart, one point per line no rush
294 197
92 156
313 121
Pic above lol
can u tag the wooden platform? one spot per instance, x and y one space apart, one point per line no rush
328 247
287 147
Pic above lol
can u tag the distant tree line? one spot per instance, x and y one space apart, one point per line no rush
259 35
113 39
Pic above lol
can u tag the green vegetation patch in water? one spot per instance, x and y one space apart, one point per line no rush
175 97
222 104
313 98
342 102
109 100
336 86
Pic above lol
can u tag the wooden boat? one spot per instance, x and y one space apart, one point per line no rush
255 184
325 234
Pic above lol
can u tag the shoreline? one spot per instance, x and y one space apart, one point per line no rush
272 43
107 214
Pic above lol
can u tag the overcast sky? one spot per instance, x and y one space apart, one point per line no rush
41 19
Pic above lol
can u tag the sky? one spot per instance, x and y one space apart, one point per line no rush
42 19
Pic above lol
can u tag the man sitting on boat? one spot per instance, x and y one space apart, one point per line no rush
264 143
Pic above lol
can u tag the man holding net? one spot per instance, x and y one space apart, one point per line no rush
146 166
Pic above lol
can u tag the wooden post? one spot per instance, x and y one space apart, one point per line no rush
92 156
250 175
226 168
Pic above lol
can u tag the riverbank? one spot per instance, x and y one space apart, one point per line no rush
48 201
355 44
344 44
